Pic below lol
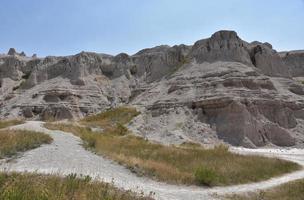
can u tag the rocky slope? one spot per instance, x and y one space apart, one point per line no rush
220 89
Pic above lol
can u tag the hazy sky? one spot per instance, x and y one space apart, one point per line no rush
64 27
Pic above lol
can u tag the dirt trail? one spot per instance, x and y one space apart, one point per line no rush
65 155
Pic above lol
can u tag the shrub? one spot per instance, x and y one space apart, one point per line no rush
121 129
90 141
205 176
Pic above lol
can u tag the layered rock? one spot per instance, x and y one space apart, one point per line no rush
221 89
222 46
295 62
243 108
268 60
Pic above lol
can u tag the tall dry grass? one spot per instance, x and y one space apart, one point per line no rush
41 187
8 123
187 164
14 141
289 191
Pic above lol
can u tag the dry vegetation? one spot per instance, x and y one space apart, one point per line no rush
12 142
290 191
186 164
5 124
40 187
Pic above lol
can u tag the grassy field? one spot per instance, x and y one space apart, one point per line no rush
290 191
41 187
5 124
186 164
12 142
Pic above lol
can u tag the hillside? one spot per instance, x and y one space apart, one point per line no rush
219 89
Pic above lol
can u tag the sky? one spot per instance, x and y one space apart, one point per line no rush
66 27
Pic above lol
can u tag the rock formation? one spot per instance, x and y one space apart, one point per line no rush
220 89
12 52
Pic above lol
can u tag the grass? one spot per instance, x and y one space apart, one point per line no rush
186 164
12 142
8 123
110 119
41 187
289 191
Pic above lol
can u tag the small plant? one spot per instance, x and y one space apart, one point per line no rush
205 176
121 129
87 179
184 60
133 69
72 184
90 141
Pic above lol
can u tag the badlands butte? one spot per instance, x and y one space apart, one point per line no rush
221 89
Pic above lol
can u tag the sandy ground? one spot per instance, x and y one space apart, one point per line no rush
66 155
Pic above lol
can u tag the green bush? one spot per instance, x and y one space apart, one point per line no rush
121 129
205 176
90 141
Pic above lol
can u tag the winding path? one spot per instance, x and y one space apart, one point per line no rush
65 156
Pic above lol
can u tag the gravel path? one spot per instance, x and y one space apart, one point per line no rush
65 155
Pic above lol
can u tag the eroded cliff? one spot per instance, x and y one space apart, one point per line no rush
220 89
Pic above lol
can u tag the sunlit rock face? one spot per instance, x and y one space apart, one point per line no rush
221 89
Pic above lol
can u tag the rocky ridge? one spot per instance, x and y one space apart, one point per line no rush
220 89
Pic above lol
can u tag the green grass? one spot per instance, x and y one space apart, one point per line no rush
41 187
12 142
185 164
111 118
8 123
289 191
205 176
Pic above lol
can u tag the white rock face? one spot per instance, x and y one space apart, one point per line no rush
221 89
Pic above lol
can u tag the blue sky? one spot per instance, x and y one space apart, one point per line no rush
65 27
